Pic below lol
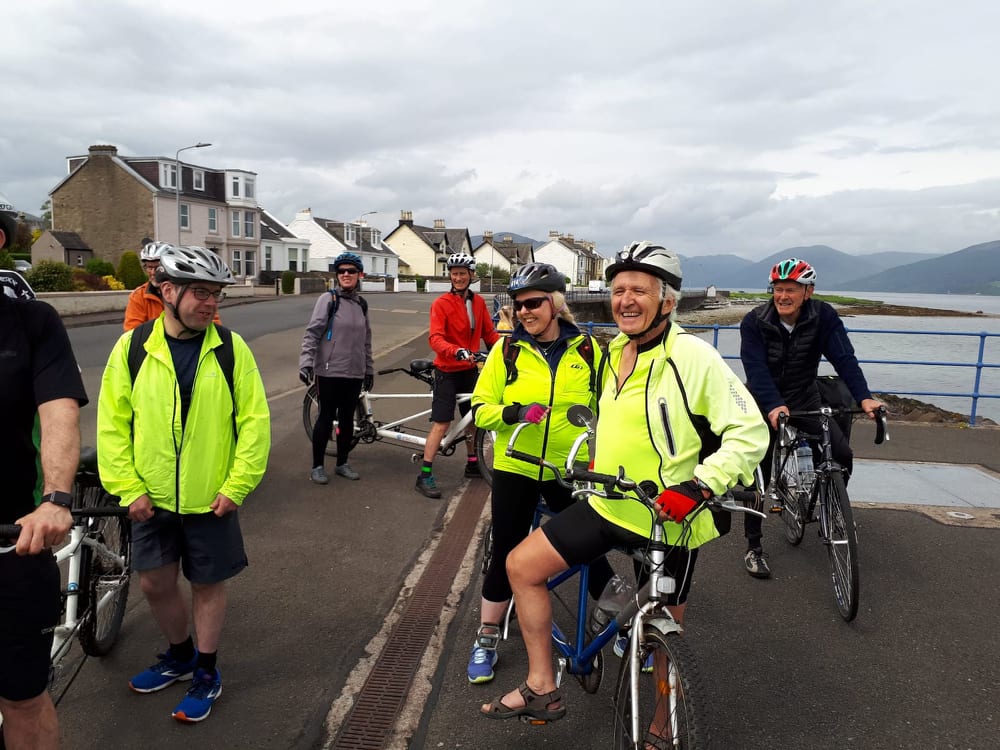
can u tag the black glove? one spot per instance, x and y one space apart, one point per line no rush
306 375
463 354
367 383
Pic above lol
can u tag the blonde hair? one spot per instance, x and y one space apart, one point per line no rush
506 321
562 310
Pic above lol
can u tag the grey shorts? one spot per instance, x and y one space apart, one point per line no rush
209 548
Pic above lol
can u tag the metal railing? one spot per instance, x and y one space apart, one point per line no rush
979 365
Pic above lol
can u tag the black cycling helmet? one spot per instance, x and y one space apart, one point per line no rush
541 276
349 258
182 264
645 256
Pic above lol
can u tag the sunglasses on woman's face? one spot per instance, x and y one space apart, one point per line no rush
532 303
347 271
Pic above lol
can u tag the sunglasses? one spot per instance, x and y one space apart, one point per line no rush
348 271
532 303
203 294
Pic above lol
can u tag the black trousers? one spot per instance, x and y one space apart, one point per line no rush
842 454
338 398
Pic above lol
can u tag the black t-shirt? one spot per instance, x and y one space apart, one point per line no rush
36 365
185 353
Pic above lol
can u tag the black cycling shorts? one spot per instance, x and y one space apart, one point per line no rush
209 547
30 605
580 535
447 386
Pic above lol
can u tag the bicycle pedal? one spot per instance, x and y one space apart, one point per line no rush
776 508
533 721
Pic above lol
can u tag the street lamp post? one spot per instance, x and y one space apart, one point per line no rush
177 183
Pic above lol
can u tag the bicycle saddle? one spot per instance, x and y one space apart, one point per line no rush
418 366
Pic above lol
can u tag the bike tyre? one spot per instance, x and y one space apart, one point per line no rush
99 631
842 546
793 511
692 731
310 411
485 443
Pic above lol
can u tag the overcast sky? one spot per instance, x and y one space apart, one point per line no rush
742 126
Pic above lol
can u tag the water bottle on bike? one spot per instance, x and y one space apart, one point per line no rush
614 597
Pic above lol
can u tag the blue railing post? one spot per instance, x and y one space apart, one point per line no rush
979 375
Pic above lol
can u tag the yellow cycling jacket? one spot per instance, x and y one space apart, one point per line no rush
645 427
554 435
142 447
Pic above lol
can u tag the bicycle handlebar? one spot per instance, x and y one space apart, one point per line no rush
881 418
13 530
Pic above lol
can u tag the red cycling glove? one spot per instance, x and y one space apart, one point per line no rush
677 501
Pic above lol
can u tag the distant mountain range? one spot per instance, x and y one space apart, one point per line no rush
973 270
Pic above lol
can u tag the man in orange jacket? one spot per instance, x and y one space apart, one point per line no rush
145 302
459 321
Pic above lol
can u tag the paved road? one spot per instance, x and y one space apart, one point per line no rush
330 565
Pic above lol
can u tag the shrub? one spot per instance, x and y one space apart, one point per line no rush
288 282
6 261
51 276
100 267
84 281
113 284
130 270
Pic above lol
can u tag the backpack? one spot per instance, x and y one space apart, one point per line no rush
335 305
224 355
586 350
833 391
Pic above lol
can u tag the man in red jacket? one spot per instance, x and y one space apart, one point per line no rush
459 320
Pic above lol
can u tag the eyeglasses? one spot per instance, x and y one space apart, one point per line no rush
348 271
532 303
203 294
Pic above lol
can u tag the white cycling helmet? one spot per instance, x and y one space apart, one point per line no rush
645 256
183 264
461 260
152 251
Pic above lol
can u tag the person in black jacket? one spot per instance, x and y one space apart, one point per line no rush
781 343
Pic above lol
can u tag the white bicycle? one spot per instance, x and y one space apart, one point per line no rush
409 430
96 566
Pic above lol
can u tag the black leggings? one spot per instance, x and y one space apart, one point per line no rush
338 399
513 504
842 454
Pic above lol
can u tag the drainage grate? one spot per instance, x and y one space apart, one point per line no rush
381 699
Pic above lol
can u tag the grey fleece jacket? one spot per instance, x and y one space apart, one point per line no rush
348 352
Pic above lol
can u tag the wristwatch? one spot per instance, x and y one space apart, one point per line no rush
62 499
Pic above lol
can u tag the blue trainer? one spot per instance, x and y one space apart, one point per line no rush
197 704
164 673
484 653
621 646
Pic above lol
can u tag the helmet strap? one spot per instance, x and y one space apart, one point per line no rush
173 311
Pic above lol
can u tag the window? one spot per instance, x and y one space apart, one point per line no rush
236 186
305 259
293 259
376 238
267 257
248 188
198 179
237 267
248 217
168 175
185 216
236 223
213 220
349 234
250 266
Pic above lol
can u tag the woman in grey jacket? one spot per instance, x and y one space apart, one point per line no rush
337 352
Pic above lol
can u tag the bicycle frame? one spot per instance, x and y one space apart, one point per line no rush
391 430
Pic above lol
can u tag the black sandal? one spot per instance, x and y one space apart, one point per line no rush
537 707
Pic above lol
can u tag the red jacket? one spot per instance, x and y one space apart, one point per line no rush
450 330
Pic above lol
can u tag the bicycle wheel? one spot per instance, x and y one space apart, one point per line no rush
484 453
793 515
668 697
310 410
104 575
842 545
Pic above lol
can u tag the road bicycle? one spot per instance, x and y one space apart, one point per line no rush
96 566
672 696
407 430
802 493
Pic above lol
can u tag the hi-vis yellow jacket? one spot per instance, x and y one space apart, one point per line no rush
142 447
645 427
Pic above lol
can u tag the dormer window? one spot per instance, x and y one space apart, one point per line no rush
236 186
248 188
350 234
198 179
376 238
168 175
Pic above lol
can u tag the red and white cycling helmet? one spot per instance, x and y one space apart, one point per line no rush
794 269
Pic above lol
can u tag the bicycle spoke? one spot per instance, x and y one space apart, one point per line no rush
842 546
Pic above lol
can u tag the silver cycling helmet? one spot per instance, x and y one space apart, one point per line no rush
461 260
183 264
645 256
541 276
152 251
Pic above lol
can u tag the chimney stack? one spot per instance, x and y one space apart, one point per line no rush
439 223
488 235
406 217
507 238
553 234
99 150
